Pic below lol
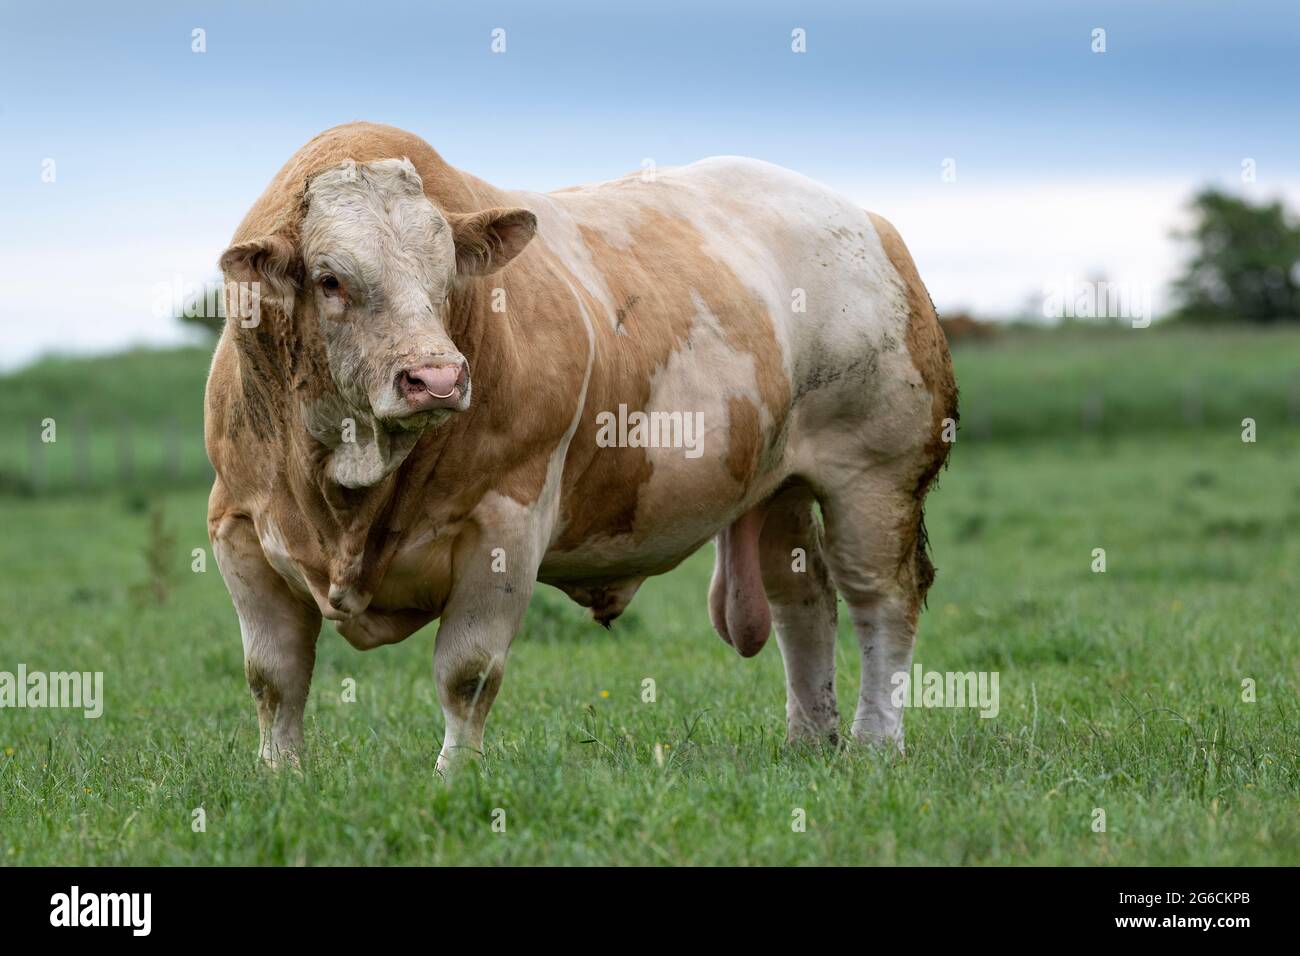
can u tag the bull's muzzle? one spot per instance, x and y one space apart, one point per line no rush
443 384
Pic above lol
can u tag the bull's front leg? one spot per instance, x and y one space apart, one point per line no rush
279 629
495 567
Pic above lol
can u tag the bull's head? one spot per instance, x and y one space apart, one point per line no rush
372 265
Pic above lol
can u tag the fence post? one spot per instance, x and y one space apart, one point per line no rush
1093 410
37 461
125 453
173 449
81 457
1193 409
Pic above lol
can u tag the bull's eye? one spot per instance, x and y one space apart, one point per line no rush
330 284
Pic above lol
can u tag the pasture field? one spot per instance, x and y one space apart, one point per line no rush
135 420
1119 691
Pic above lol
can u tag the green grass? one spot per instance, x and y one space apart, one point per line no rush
1119 691
1031 385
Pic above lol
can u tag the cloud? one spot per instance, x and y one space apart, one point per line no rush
992 248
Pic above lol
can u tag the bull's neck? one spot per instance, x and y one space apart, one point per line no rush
484 337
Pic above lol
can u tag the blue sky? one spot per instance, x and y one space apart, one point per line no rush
1066 160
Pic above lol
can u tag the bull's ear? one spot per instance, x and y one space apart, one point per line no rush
487 240
268 269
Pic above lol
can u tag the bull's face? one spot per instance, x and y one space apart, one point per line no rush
375 263
379 263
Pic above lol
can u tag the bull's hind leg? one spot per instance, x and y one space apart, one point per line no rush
802 599
279 632
876 552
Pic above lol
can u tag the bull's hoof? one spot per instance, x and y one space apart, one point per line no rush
807 737
451 766
281 759
884 743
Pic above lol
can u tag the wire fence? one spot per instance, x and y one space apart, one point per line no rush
84 456
122 454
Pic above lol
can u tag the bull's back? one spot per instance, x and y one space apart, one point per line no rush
810 265
732 291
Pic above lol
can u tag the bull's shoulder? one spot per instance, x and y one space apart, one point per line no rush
236 435
221 385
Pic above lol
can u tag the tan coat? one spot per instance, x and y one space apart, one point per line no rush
788 322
